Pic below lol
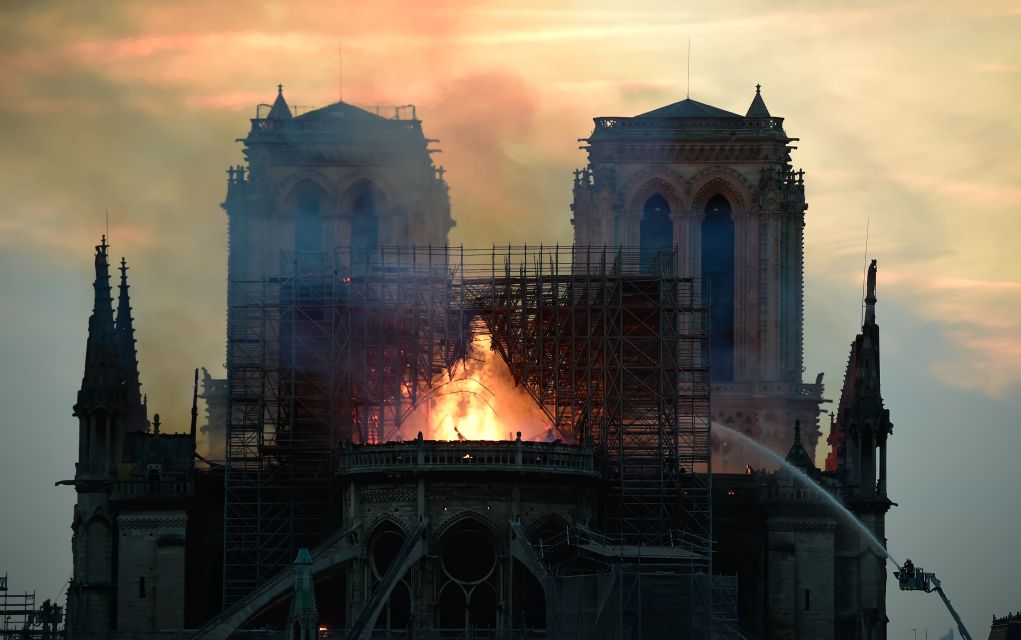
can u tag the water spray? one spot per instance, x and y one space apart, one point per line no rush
803 478
909 577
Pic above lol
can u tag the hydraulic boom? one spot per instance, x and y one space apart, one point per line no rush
913 578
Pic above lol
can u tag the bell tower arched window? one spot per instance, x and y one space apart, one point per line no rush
718 272
655 233
307 200
365 222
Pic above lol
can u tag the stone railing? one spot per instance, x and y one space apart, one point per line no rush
146 488
794 390
431 455
745 125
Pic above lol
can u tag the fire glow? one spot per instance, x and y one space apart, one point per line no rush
482 402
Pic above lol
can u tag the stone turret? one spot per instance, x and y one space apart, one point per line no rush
132 487
863 423
100 407
857 437
303 620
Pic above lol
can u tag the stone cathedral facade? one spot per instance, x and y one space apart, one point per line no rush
720 188
482 551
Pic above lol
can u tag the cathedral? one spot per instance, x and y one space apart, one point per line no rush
326 504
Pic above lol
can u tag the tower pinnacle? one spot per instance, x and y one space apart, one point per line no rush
797 455
101 348
758 109
280 110
135 419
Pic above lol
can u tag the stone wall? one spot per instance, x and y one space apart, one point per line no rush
150 570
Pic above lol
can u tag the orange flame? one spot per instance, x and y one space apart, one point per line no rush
482 402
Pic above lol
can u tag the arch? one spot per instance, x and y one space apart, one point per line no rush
307 202
655 233
469 514
469 572
723 181
396 614
651 181
363 176
451 607
321 180
548 522
364 203
339 549
98 548
717 269
467 553
383 544
529 597
482 606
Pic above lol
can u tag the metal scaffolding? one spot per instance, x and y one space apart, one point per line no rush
21 618
344 346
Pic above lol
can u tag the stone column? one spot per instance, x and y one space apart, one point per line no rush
747 292
688 240
881 489
771 270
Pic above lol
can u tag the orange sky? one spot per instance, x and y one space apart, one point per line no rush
906 112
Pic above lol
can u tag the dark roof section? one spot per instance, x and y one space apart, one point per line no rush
688 108
279 110
340 113
758 109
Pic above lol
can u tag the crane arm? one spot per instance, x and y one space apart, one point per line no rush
953 612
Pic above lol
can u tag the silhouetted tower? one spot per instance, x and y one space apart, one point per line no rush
720 189
858 439
108 407
337 176
133 487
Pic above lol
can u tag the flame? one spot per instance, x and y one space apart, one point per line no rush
482 402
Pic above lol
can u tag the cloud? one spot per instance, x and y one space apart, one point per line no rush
981 318
970 193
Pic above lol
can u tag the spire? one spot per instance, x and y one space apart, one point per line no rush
862 420
135 420
303 614
797 455
758 107
102 305
280 110
101 346
194 409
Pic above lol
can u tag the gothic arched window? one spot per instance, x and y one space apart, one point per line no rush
468 578
718 277
363 202
655 233
307 201
365 222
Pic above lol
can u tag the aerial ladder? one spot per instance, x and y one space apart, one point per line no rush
913 578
